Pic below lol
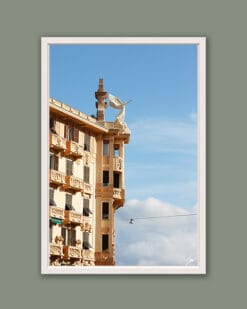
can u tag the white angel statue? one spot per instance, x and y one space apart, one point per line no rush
118 104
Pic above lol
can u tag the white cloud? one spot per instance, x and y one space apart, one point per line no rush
155 241
161 160
165 136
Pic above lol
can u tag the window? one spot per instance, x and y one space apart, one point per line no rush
87 142
69 236
86 210
105 178
116 150
54 162
105 210
116 180
105 148
69 167
51 231
86 174
71 133
105 242
51 197
86 243
68 202
53 125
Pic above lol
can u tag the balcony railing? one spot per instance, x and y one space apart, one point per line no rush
71 252
88 189
88 255
56 249
118 164
57 177
73 217
74 183
87 224
74 149
56 212
118 193
57 142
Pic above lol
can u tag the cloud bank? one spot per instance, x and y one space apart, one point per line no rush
155 241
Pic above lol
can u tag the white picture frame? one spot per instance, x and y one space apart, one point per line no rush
200 269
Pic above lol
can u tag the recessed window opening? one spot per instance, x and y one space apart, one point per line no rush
106 148
105 242
105 210
86 209
53 162
116 150
87 142
116 180
51 197
105 178
68 202
69 167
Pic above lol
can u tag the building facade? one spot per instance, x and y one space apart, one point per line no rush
86 184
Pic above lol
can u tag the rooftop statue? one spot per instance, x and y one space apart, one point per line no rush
118 104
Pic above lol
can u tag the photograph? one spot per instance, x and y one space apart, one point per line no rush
123 155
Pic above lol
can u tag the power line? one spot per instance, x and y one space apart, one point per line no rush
131 221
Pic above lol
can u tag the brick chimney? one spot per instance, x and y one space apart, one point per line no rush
101 105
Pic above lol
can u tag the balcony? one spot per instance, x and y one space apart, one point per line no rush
88 255
71 252
57 177
57 142
87 224
104 258
88 157
88 189
118 194
118 164
56 250
56 212
73 217
74 149
73 183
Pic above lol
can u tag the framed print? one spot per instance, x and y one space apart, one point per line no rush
123 160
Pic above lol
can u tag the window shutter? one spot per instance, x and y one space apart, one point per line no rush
55 163
73 237
87 142
68 202
86 244
76 135
69 167
86 203
51 195
70 133
86 174
63 233
50 231
65 130
86 209
53 125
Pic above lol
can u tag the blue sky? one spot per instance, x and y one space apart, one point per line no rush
161 159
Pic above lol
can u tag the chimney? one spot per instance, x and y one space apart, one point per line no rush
101 105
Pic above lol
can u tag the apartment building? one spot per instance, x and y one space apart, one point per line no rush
86 183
